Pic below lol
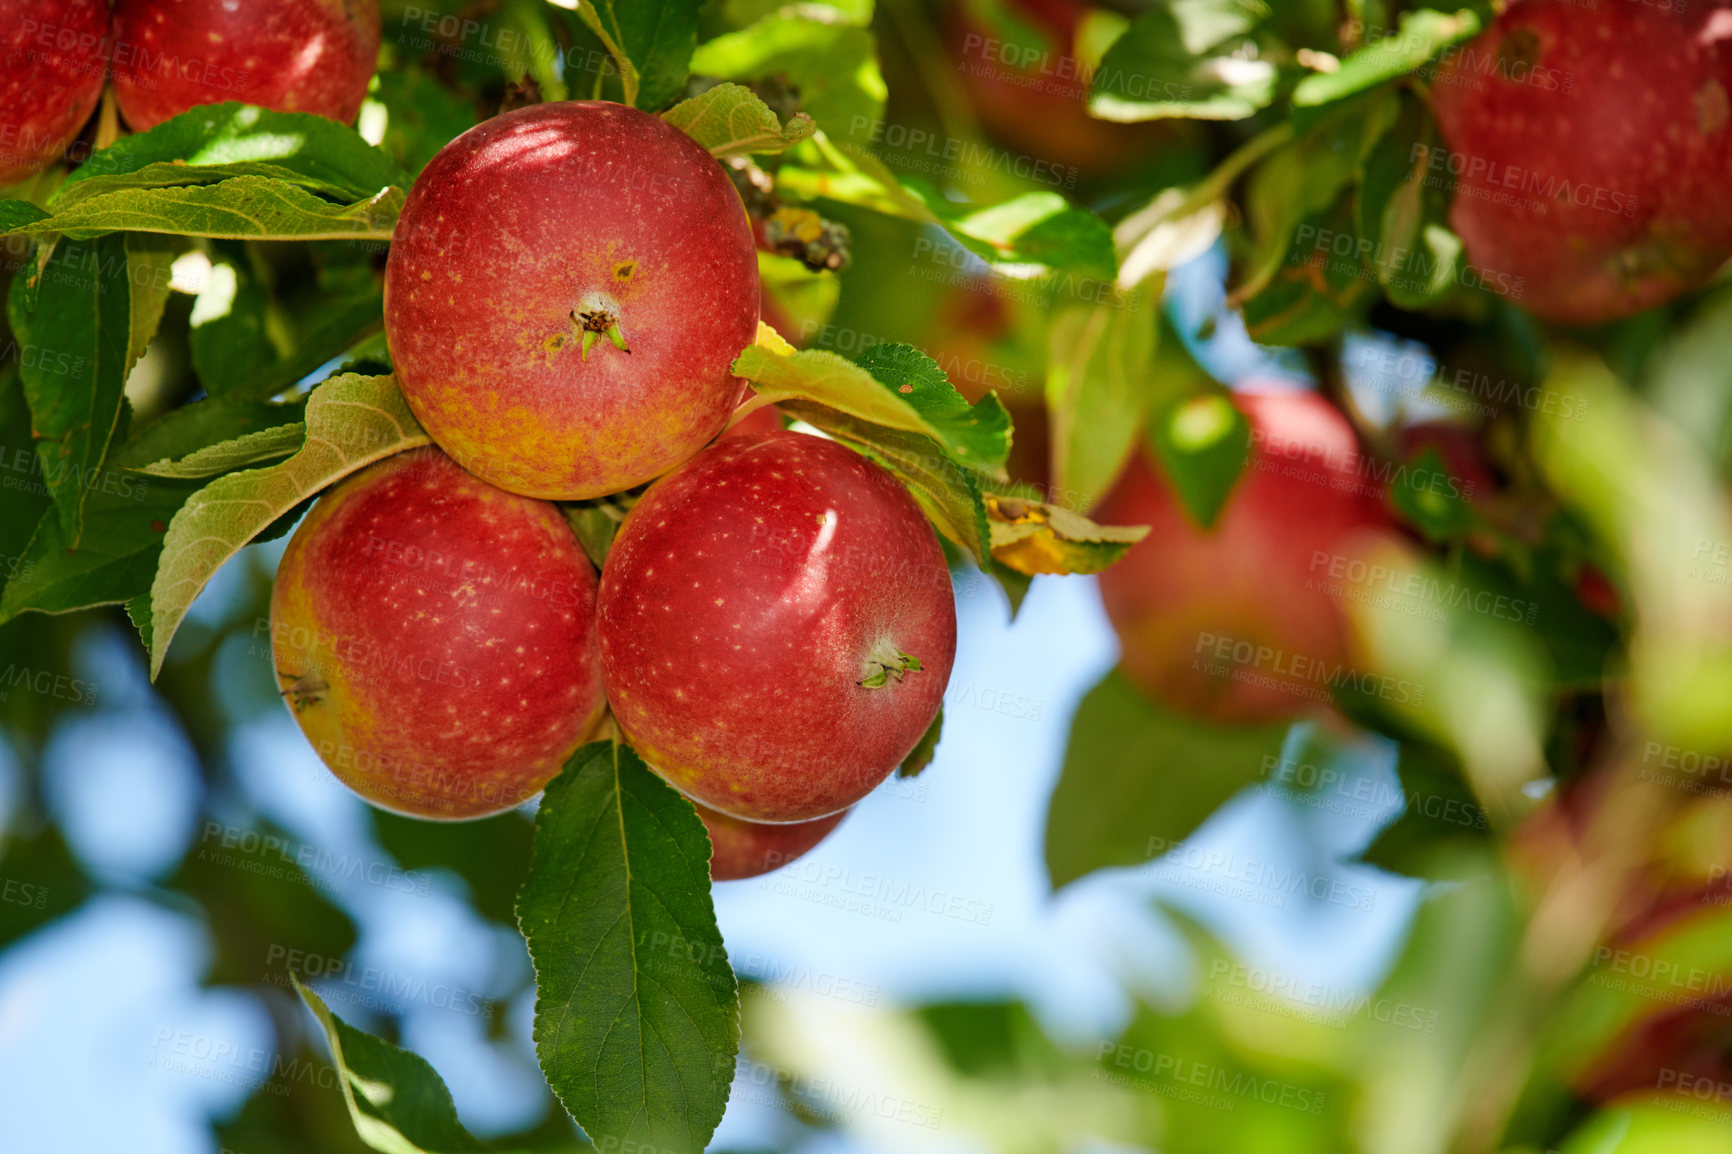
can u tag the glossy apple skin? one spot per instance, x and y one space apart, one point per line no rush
746 597
289 55
1255 577
526 221
435 638
53 59
746 849
1596 153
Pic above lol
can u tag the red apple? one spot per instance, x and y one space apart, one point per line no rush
567 290
55 55
1468 475
435 638
776 626
289 55
1592 150
1035 101
1240 623
745 849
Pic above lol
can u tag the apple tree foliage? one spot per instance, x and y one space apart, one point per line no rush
152 427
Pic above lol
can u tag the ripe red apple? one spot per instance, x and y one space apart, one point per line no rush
1240 622
55 55
745 849
567 289
289 55
435 638
776 626
1592 150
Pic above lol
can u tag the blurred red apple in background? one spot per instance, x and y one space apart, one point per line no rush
1592 153
55 54
313 56
1237 623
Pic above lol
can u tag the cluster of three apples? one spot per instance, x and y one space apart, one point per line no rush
566 292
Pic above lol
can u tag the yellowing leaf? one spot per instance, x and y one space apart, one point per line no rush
1035 539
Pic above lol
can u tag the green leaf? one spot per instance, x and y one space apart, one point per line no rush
229 343
1186 59
1137 780
126 514
1099 361
1036 229
239 208
397 1101
148 262
924 750
637 1011
946 492
893 385
1403 203
652 42
352 421
1034 539
25 500
74 340
1440 819
16 214
829 63
1202 444
1314 294
730 120
596 522
1423 35
247 449
217 141
423 115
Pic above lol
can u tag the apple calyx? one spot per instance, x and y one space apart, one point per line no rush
307 689
887 663
597 316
